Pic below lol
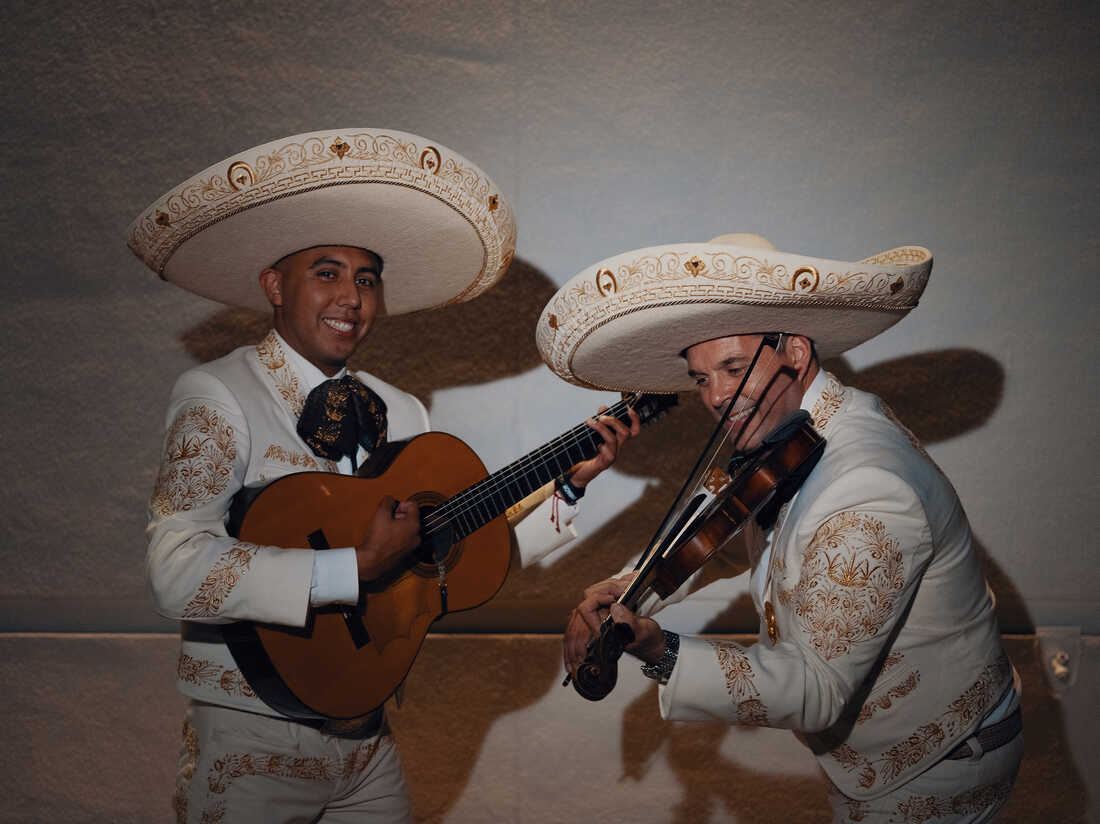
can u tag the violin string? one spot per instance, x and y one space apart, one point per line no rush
719 436
477 493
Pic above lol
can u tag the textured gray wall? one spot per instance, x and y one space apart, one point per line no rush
833 129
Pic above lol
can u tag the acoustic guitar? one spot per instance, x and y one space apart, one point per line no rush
348 660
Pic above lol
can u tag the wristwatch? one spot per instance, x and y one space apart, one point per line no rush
660 670
569 493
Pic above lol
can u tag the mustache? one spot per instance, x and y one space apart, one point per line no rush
739 411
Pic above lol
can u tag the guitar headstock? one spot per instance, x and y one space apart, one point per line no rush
650 406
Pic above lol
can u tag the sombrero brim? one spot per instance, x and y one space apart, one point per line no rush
444 232
623 323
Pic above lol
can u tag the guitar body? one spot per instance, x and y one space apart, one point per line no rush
335 667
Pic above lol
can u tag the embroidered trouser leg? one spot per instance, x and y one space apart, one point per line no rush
951 792
241 767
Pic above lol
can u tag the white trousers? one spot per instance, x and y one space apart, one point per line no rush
951 792
242 767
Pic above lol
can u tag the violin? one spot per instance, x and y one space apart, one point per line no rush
761 481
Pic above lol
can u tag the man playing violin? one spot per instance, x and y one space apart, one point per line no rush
269 229
865 579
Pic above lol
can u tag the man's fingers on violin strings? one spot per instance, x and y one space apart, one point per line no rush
608 589
589 613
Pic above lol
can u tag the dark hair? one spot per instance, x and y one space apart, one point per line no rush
282 260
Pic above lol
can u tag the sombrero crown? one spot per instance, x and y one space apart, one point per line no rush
441 226
623 323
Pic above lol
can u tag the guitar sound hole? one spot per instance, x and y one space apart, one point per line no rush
423 556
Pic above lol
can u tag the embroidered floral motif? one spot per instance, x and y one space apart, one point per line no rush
851 760
856 810
832 397
223 576
740 683
271 355
919 809
929 739
973 705
232 766
886 700
186 773
893 658
226 770
359 760
211 674
198 461
752 713
278 453
851 572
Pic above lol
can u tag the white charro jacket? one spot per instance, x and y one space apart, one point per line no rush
878 641
232 423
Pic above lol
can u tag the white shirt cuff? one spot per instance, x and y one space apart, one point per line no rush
335 577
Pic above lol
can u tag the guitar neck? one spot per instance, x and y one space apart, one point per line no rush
476 505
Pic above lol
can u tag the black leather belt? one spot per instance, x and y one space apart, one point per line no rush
989 738
363 727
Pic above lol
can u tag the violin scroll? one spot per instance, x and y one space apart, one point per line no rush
599 672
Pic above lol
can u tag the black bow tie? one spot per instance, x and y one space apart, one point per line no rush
340 415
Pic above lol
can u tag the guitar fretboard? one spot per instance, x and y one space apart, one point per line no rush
473 507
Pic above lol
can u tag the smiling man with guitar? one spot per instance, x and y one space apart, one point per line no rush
304 546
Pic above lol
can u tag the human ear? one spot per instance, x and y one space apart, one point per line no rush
271 281
801 351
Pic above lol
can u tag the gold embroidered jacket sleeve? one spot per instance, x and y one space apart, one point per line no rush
195 570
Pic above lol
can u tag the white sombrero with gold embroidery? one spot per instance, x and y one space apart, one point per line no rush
441 226
623 323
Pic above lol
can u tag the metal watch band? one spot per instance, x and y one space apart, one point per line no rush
662 669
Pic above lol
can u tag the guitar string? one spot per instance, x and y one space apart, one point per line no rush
516 475
477 494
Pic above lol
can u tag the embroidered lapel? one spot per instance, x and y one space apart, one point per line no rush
279 376
832 397
825 406
270 362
